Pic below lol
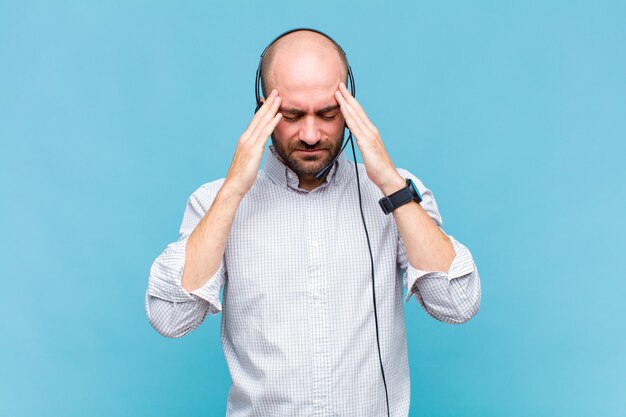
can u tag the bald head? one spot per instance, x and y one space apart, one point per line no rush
303 57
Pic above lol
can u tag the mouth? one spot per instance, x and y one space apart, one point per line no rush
310 151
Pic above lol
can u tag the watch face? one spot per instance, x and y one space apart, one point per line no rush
412 186
413 189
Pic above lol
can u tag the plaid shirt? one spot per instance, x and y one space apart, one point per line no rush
297 328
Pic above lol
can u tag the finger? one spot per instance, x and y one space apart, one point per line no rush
267 103
259 114
357 117
355 104
355 124
269 128
267 118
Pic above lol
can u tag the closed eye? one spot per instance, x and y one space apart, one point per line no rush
294 119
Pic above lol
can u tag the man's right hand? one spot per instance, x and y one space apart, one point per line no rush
247 159
206 244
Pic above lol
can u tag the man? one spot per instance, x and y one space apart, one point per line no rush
291 255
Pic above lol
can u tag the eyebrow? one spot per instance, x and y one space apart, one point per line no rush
298 112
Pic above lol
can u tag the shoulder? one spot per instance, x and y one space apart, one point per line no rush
404 173
206 192
213 187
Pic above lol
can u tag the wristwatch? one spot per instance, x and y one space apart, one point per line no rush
400 197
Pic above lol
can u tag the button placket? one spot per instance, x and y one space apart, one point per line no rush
316 259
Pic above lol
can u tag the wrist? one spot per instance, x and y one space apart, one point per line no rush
400 197
229 191
395 183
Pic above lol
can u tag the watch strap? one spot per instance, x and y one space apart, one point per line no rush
401 197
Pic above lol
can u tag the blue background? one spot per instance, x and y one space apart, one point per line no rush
111 114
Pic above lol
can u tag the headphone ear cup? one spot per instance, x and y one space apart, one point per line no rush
259 104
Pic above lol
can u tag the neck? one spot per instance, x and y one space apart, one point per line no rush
309 182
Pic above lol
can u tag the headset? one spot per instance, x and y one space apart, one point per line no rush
325 170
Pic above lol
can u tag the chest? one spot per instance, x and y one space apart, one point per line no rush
286 250
280 232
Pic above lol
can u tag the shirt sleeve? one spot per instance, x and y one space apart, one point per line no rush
452 297
171 309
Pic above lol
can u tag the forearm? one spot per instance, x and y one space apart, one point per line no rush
206 244
427 247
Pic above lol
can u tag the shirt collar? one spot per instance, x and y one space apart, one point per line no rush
282 175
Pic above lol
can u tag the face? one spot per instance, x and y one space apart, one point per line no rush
311 130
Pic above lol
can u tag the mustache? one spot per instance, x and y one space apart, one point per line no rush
303 146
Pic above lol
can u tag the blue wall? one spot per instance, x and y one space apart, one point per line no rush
112 114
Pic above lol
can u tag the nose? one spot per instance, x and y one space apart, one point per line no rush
310 132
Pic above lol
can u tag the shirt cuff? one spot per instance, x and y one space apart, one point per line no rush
210 291
167 272
462 264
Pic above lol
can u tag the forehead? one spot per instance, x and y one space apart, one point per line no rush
307 83
309 99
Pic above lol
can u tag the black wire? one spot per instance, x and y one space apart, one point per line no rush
369 246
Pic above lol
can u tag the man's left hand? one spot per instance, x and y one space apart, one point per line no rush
378 165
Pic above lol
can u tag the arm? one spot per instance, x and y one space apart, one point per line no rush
450 294
206 245
447 286
186 279
428 247
171 309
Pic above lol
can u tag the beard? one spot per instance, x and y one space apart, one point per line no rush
303 164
